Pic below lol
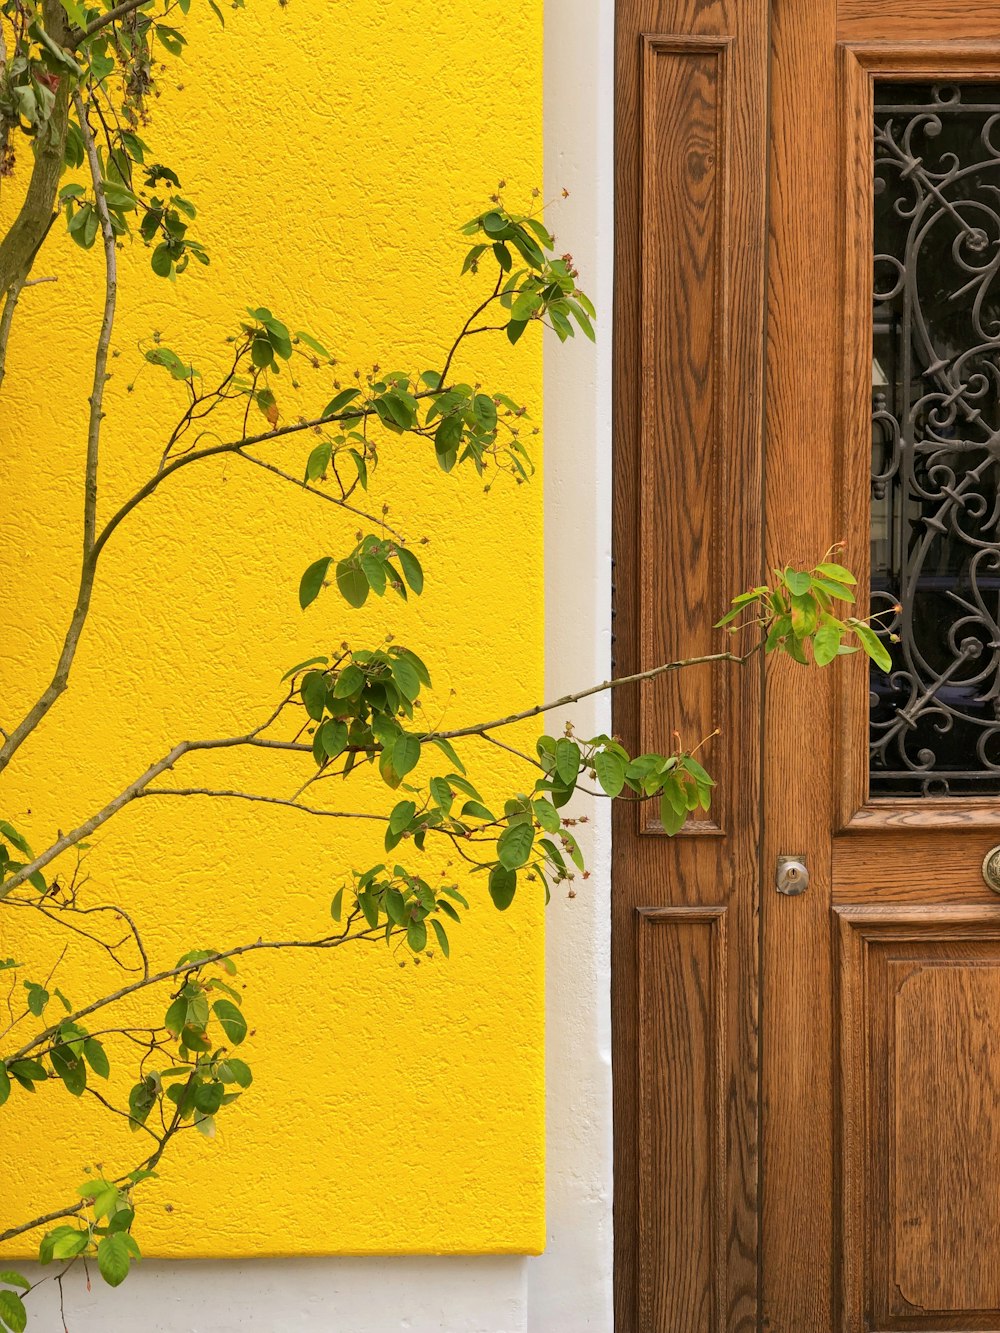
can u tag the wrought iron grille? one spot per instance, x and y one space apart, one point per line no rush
935 538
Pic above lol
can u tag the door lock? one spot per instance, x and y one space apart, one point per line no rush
791 875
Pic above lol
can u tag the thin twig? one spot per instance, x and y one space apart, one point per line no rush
312 490
266 800
134 789
479 728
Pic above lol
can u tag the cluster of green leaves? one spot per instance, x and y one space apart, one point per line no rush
27 88
71 1051
206 1020
114 68
357 704
540 287
798 615
404 904
463 423
368 568
105 1229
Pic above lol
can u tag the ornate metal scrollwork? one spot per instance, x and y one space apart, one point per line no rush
935 721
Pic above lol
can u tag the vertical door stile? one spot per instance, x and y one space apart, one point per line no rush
803 340
689 308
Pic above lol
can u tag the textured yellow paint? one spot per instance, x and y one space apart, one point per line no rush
332 149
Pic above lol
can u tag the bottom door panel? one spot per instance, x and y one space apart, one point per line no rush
919 1015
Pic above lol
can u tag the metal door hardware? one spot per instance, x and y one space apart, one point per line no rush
792 875
991 868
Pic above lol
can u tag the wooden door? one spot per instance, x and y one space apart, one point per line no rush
807 1088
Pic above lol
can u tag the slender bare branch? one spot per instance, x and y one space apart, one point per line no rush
479 728
104 337
265 800
88 568
312 490
322 943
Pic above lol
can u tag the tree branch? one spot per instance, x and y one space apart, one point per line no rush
265 800
322 943
112 16
88 567
133 790
24 238
478 729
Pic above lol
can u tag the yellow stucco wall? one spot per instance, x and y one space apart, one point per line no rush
332 150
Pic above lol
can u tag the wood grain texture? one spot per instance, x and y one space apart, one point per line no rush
919 998
805 323
945 1150
722 870
933 868
682 1118
682 393
904 20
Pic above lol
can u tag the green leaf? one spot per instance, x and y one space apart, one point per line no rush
610 769
369 907
826 645
374 571
547 815
405 754
352 583
442 794
113 1258
38 997
318 461
96 1057
208 1097
12 1311
449 751
503 883
312 344
162 261
15 839
412 571
872 644
312 580
442 937
333 737
336 907
416 936
405 676
350 681
312 661
401 816
4 1083
70 1068
338 403
15 1279
836 572
671 818
235 1071
232 1021
796 581
567 760
514 845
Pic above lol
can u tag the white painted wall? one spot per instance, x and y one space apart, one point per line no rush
569 1288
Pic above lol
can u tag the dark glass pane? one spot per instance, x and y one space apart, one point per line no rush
935 722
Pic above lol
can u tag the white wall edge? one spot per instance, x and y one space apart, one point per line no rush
570 1287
